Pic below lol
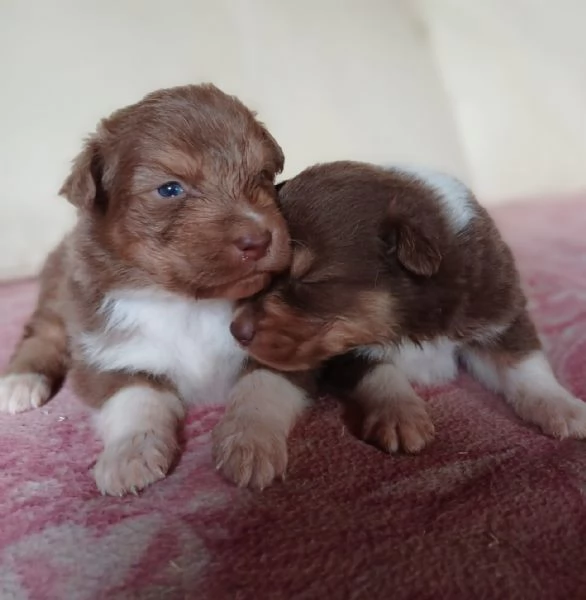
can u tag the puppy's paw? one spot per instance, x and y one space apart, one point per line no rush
561 416
23 391
399 425
248 451
132 463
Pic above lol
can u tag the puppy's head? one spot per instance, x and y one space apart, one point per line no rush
178 190
353 249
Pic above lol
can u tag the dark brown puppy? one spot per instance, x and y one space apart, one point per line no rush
176 219
399 273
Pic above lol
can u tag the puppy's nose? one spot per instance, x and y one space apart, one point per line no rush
254 246
243 331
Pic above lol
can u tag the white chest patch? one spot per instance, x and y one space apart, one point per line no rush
188 341
453 195
430 363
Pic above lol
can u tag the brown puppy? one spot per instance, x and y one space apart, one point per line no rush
399 273
176 219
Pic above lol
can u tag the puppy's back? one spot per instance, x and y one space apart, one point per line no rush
354 217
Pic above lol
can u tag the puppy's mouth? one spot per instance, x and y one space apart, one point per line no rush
257 275
285 366
238 289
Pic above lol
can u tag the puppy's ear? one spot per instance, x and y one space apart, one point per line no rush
83 186
276 150
416 252
413 243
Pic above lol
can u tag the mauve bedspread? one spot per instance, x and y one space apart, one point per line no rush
491 510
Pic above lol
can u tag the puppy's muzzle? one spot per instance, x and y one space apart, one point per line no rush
254 246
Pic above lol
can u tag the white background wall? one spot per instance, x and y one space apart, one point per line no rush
486 91
515 73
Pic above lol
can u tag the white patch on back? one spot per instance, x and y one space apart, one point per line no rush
453 195
188 341
430 363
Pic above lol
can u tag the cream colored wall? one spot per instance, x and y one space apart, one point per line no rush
451 83
331 79
515 73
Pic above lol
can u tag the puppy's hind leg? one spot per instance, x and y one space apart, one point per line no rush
39 363
516 366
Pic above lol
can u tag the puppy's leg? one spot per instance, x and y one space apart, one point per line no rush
137 419
516 366
250 442
39 363
395 417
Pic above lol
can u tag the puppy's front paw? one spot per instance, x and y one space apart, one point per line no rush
132 463
399 424
23 391
248 451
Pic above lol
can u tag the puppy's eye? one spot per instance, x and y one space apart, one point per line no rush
171 189
266 175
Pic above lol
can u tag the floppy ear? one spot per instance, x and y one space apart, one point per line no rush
276 150
416 252
83 187
414 242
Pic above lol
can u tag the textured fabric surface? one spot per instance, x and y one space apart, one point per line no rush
491 510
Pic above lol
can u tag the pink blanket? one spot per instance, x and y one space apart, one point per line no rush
491 510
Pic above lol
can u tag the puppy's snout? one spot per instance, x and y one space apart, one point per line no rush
254 246
243 329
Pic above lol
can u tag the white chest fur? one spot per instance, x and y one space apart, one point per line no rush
188 341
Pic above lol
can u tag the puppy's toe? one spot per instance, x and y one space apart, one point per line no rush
131 464
248 452
399 425
23 391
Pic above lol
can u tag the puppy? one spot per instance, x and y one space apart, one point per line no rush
396 275
176 220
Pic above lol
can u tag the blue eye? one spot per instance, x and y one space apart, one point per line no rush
171 189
